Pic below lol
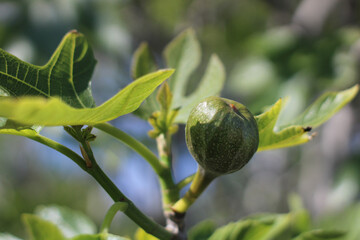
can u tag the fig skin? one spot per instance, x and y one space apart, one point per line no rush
221 135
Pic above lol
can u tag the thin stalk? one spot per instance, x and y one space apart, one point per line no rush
180 185
201 180
96 172
162 167
132 143
118 206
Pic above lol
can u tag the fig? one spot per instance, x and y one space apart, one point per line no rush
221 135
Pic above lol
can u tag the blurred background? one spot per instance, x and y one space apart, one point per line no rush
270 49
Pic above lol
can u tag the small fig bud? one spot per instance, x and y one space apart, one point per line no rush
221 135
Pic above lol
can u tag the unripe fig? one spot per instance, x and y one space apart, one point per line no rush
221 135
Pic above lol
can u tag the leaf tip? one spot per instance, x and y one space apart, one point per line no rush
169 71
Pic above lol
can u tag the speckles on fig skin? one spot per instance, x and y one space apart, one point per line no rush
221 135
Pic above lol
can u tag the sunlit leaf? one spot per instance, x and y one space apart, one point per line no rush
54 112
40 229
66 75
270 139
70 222
326 106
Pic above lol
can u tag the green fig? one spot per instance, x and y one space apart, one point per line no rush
221 135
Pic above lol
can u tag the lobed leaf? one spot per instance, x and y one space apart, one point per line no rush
272 137
54 112
210 85
183 54
66 75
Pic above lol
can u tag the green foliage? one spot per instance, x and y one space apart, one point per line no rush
281 62
347 220
60 223
70 222
321 235
54 112
295 225
59 94
66 75
40 229
272 136
162 121
184 55
202 230
271 227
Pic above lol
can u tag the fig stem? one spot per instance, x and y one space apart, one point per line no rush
201 180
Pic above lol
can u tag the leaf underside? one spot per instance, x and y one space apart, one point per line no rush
273 137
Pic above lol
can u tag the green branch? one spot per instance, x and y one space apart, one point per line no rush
96 172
